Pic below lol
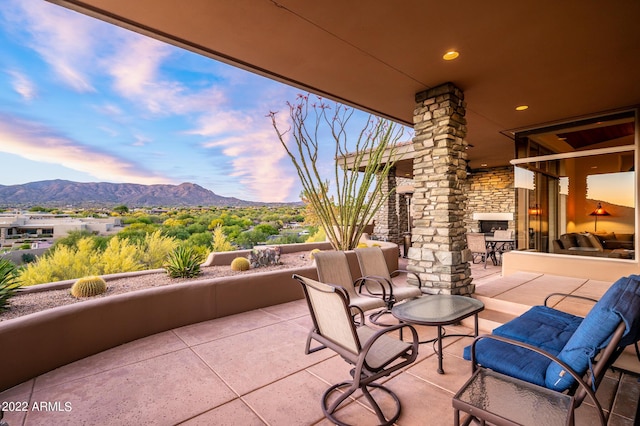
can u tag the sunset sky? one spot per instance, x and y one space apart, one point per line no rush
86 101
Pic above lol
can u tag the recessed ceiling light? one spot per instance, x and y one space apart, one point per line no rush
450 55
483 165
522 107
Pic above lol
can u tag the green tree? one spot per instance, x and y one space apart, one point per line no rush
266 228
121 209
248 239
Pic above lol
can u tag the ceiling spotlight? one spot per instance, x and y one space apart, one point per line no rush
450 55
522 107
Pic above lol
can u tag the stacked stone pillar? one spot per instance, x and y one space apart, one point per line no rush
438 253
386 220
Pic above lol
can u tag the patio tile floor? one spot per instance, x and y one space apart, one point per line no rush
250 369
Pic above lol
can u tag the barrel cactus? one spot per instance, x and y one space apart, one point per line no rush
240 264
313 252
88 286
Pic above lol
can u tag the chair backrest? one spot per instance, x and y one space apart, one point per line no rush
330 313
501 233
476 243
333 267
372 262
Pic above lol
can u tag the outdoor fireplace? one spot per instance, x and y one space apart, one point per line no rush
488 226
489 222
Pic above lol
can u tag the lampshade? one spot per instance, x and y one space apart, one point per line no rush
599 211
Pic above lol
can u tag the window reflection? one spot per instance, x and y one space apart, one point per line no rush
563 173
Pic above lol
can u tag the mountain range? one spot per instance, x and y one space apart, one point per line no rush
61 193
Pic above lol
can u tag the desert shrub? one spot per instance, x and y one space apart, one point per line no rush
318 236
220 241
240 264
88 286
288 239
264 256
63 263
8 282
28 257
155 248
120 256
72 238
183 262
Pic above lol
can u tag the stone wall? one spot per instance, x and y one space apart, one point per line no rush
490 191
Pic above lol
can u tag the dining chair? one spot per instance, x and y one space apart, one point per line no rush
477 244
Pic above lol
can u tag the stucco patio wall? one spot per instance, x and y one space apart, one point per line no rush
40 342
588 267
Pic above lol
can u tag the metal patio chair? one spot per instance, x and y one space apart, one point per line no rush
333 268
374 353
551 360
373 266
477 244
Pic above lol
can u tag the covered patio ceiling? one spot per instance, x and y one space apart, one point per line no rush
563 59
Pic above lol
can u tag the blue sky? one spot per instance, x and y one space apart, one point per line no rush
91 102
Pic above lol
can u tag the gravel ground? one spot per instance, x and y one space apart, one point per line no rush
28 303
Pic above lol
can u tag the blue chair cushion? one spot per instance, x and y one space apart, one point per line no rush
543 327
511 360
619 303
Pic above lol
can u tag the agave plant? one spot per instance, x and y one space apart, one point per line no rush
183 262
8 282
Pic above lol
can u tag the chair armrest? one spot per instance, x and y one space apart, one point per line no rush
363 282
581 383
404 271
360 312
381 282
569 296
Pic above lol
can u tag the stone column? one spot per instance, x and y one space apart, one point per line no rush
438 253
386 227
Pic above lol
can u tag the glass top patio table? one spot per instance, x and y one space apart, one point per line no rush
441 309
438 310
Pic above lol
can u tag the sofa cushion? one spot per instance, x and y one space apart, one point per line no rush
626 241
583 240
568 241
595 242
606 236
543 327
620 303
613 244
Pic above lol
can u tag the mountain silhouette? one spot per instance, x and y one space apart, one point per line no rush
60 193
